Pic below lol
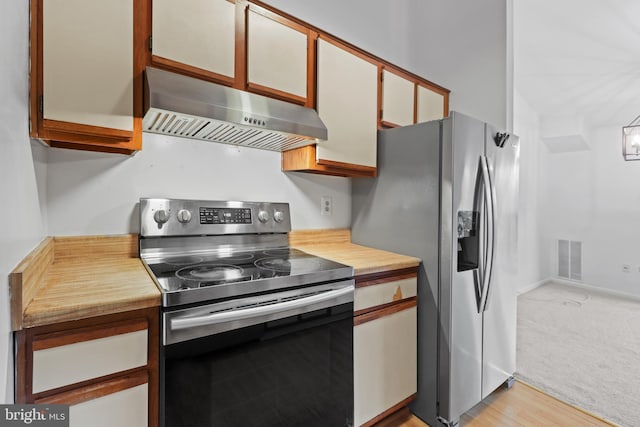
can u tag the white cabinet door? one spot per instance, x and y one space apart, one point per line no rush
88 62
397 99
199 33
125 408
430 105
347 103
385 363
276 55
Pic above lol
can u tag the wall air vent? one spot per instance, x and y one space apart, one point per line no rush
570 260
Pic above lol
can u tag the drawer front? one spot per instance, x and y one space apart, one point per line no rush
69 364
368 296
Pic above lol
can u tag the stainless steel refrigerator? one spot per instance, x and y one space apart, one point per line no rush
447 192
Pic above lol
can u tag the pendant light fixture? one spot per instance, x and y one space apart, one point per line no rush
631 140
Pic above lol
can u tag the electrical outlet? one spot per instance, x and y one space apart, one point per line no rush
626 268
326 205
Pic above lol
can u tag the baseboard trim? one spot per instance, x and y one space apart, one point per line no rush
595 289
533 286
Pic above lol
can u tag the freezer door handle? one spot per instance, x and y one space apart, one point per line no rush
490 234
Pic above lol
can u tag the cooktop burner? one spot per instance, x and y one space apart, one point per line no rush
210 272
281 265
216 269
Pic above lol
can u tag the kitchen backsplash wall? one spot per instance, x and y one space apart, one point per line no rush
20 216
95 193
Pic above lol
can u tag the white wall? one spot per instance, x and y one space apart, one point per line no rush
96 193
596 200
534 259
459 44
20 215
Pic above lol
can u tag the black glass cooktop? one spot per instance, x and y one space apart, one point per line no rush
183 273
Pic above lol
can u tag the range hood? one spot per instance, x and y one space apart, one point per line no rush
186 107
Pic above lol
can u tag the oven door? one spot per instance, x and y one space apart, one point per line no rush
282 359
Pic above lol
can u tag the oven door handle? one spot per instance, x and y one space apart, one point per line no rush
330 298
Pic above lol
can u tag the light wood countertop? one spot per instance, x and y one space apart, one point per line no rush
71 278
336 245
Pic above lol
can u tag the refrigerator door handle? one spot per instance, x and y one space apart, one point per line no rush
489 198
479 201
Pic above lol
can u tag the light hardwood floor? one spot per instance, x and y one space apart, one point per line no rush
521 406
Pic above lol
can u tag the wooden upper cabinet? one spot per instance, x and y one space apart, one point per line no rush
347 104
278 57
346 100
431 105
398 96
85 79
196 37
405 99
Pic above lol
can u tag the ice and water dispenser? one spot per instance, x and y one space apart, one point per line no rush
468 240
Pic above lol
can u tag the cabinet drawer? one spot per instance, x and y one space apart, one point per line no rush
385 363
375 293
56 364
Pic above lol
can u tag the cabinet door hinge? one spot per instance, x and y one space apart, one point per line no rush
150 43
41 104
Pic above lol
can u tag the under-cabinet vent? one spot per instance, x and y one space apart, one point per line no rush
169 123
570 259
187 107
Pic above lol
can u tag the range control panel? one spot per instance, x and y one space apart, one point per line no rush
173 217
225 216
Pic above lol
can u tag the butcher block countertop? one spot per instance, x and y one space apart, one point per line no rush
71 278
335 244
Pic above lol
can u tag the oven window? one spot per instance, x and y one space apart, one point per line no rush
296 371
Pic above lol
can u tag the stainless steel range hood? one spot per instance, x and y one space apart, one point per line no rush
186 107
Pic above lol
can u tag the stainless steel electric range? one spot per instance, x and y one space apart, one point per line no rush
254 333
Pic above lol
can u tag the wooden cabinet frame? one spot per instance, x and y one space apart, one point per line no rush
200 73
95 138
417 81
309 100
81 136
240 79
29 340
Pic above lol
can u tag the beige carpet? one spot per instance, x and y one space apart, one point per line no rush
582 347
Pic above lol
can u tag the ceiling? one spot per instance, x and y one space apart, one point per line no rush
579 57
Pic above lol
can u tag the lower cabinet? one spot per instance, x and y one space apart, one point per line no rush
105 368
384 345
125 408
